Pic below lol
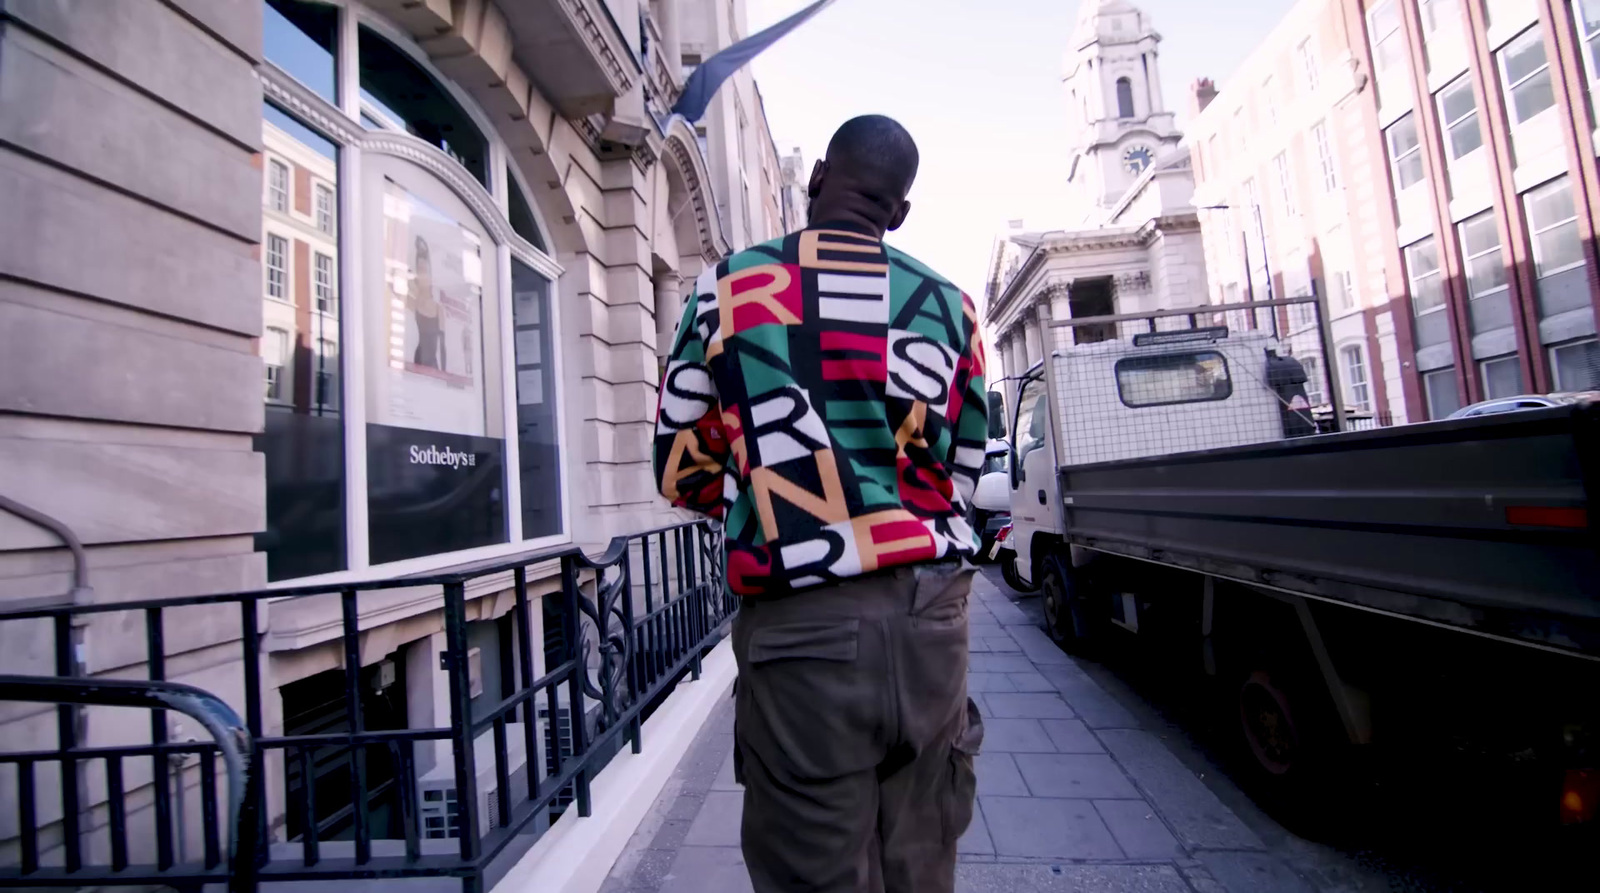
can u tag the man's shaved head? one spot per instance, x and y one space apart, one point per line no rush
877 151
869 169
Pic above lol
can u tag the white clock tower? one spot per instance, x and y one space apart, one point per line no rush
1117 122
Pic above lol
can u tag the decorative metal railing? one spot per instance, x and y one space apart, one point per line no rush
621 629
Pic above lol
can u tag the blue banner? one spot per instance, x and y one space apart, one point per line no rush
707 79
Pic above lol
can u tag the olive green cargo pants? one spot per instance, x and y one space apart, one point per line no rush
854 733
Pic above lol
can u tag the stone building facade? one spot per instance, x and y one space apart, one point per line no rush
330 291
1136 245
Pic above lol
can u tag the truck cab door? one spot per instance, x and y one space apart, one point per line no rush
1033 499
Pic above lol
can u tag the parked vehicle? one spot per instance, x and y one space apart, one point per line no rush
991 502
1437 582
1524 401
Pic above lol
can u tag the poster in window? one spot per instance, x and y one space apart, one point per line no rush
431 364
435 457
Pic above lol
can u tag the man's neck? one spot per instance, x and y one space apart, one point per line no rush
844 220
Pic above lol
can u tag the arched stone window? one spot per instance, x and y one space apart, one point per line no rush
1124 98
411 415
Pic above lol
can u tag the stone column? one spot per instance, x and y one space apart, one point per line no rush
669 308
671 34
1031 337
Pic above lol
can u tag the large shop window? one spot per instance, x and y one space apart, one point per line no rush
303 438
417 272
409 98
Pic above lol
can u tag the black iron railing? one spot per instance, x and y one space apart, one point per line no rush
622 629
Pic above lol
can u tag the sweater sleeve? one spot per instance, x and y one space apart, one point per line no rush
691 447
971 440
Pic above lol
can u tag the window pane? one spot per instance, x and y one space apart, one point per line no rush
1457 100
1485 274
1442 397
1502 378
403 91
1523 56
522 220
300 38
1402 136
435 451
1173 378
1480 234
1465 137
302 440
1409 171
1421 259
540 473
1550 205
1557 248
1532 96
1577 366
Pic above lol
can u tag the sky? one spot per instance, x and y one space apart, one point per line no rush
978 84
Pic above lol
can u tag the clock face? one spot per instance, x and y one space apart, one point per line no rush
1137 158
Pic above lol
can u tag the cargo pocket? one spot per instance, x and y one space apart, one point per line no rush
963 782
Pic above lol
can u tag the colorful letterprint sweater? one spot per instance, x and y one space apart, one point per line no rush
824 398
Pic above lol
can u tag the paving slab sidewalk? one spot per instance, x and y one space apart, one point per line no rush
1072 793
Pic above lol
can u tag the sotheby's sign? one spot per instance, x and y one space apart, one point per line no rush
430 492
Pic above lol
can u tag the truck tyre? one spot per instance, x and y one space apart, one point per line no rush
1008 569
1065 617
1286 745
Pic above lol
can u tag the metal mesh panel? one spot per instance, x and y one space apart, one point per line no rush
1141 385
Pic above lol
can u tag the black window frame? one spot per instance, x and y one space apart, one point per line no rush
1116 372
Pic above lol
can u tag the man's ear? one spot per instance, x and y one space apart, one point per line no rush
899 216
818 172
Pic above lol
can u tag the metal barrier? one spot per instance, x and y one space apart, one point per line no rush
621 630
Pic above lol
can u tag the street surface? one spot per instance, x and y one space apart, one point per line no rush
1423 824
1108 777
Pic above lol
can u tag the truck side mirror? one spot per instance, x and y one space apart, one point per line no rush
997 416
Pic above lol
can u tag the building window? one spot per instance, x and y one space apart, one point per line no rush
1388 44
1576 366
1480 245
327 394
275 355
323 270
1168 379
436 360
1124 98
1443 397
278 186
1308 65
1330 169
1422 269
1313 366
1342 291
1525 76
1502 377
1586 13
1280 169
277 267
1405 152
1554 224
1458 109
1269 100
325 209
399 89
1353 362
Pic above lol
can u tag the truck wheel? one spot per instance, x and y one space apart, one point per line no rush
1286 747
1064 616
1008 569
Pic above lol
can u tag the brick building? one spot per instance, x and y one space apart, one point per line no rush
1429 165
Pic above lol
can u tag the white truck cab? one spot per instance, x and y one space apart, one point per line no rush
1093 403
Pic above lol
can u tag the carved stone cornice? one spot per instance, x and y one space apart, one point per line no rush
593 26
685 153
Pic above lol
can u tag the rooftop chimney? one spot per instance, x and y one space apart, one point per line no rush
1201 92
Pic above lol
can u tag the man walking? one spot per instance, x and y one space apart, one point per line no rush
824 398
